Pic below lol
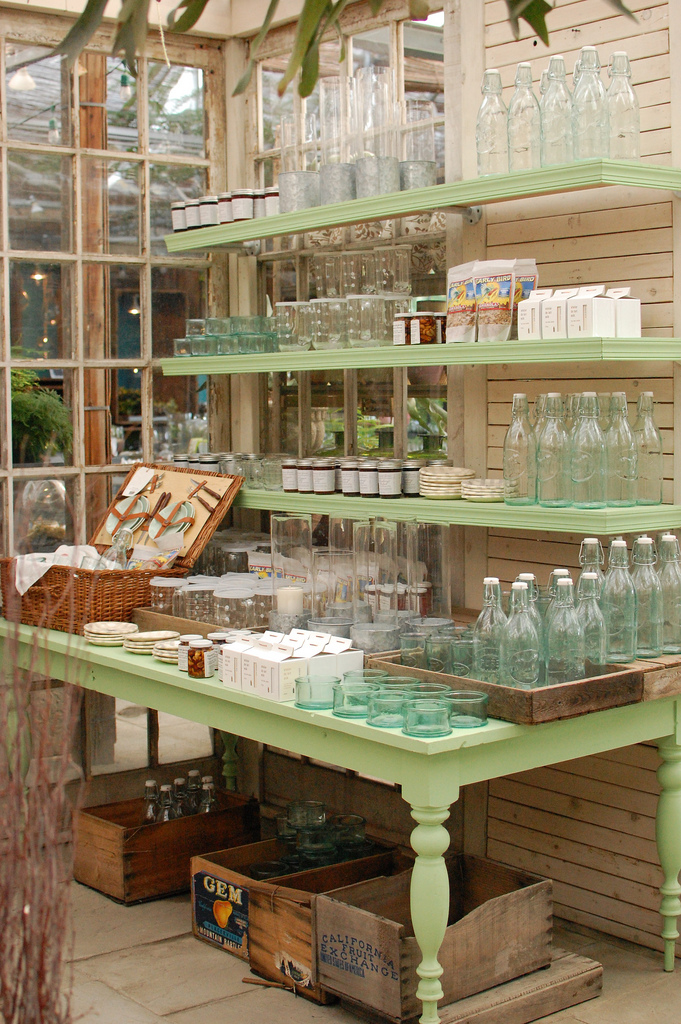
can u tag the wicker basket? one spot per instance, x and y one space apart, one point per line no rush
66 598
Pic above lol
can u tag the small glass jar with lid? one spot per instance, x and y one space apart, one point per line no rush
201 659
410 479
161 591
324 476
350 478
259 202
225 215
191 214
390 478
401 334
183 649
289 474
272 201
209 462
368 478
208 211
177 215
242 204
305 476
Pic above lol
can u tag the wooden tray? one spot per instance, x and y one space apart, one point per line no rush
610 686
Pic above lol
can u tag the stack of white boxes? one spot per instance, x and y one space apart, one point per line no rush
270 664
588 312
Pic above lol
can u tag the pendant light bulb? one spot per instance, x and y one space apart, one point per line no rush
126 88
53 133
22 81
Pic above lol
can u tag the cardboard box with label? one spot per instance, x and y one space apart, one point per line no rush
554 313
530 314
627 313
591 314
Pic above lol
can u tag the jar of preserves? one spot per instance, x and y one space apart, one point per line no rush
183 650
208 211
350 478
202 659
177 215
242 204
423 329
191 214
324 476
390 478
225 214
410 479
289 475
305 477
368 478
401 335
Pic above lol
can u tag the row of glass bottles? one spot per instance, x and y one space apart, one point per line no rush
556 464
193 795
590 124
613 617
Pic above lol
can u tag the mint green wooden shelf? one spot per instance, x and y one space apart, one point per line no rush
472 192
564 350
470 513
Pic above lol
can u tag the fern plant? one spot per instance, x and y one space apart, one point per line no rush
41 422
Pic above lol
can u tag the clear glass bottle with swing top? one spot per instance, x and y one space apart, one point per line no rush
556 116
588 463
524 123
535 615
591 558
649 462
521 647
520 456
648 588
618 604
491 137
621 456
669 573
554 480
564 638
488 631
591 617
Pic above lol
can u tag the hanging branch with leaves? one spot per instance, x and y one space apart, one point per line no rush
316 18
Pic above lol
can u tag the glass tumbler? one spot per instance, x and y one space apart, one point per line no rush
315 692
347 826
332 264
307 324
406 683
217 325
413 650
462 651
351 700
402 269
438 652
370 676
196 327
306 814
467 708
426 718
386 710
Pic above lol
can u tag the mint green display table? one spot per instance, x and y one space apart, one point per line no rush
430 772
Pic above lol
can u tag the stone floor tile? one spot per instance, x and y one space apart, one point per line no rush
655 1000
263 1006
170 975
92 1002
102 926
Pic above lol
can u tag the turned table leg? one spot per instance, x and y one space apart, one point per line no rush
668 835
429 902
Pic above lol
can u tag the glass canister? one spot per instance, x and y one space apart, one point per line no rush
198 604
162 595
235 608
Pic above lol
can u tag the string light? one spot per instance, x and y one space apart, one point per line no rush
135 308
126 87
22 81
37 276
53 133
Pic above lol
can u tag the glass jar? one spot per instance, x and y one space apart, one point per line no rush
338 477
441 326
201 659
198 604
208 211
368 478
350 478
423 329
242 204
401 334
259 202
225 215
235 608
305 476
181 460
390 478
272 201
191 214
209 463
324 476
289 475
410 479
183 649
162 595
177 215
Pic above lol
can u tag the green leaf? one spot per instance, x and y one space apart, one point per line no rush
375 6
80 34
308 25
622 8
131 31
245 79
194 10
309 69
534 13
419 9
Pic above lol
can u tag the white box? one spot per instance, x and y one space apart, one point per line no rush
249 665
229 665
554 313
590 314
529 314
627 313
277 671
349 661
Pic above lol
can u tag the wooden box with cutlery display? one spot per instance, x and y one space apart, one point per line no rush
166 509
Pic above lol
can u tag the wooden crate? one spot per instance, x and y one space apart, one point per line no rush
270 924
130 861
620 685
500 923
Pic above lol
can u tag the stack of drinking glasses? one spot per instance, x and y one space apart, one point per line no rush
385 701
583 451
227 336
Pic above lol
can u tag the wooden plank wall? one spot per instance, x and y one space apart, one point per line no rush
590 825
604 236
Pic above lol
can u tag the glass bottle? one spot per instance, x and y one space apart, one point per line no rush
620 446
564 638
543 82
588 455
193 791
590 139
520 456
524 123
487 632
179 797
623 113
535 615
618 604
538 413
648 452
166 811
649 641
150 801
670 582
116 557
556 574
520 642
554 485
556 116
490 127
591 558
591 617
208 802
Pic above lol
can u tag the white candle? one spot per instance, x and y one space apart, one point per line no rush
290 600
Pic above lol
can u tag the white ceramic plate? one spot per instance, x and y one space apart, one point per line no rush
118 628
154 636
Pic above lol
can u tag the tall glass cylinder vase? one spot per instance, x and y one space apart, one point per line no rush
336 173
364 589
385 555
299 178
292 563
374 125
341 567
417 144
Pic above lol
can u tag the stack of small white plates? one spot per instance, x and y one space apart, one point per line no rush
443 481
108 634
144 643
482 490
166 650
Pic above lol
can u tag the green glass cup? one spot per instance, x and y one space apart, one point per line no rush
315 692
365 675
351 700
467 708
386 710
462 649
413 650
438 652
426 719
